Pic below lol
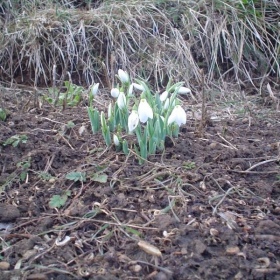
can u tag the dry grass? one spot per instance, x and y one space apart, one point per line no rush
153 40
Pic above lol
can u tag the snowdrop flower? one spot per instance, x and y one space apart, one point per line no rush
163 96
121 100
130 90
123 76
94 89
139 87
144 111
133 120
178 115
115 92
184 90
166 104
116 140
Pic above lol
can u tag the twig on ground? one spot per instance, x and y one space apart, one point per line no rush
249 170
233 147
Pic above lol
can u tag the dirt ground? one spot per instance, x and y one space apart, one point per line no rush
208 208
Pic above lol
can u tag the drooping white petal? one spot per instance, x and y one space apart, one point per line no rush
133 120
123 76
171 118
115 92
166 104
121 100
163 96
144 111
139 87
178 115
94 89
130 90
116 140
184 90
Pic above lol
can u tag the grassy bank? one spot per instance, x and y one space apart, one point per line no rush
153 40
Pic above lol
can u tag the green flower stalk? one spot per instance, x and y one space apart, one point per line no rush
105 130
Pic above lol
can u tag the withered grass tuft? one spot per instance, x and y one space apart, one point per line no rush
153 40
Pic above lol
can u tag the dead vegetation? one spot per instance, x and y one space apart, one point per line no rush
153 40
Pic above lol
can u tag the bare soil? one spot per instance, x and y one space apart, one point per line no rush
208 208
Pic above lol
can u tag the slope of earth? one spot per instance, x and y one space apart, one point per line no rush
207 208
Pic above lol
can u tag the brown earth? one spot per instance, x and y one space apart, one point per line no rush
208 208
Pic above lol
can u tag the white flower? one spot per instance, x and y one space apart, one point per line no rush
115 92
139 87
177 115
130 90
110 111
144 111
133 120
121 100
184 90
116 140
166 104
163 96
123 76
94 89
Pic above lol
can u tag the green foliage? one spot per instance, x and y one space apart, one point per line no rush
94 118
248 7
133 231
70 124
58 201
45 176
24 166
189 165
72 96
76 176
99 177
15 140
157 116
3 114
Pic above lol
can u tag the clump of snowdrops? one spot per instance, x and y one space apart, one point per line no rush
152 118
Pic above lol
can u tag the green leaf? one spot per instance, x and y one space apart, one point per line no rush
101 178
58 201
94 118
8 141
125 147
3 114
15 143
70 124
45 176
133 231
23 175
76 176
